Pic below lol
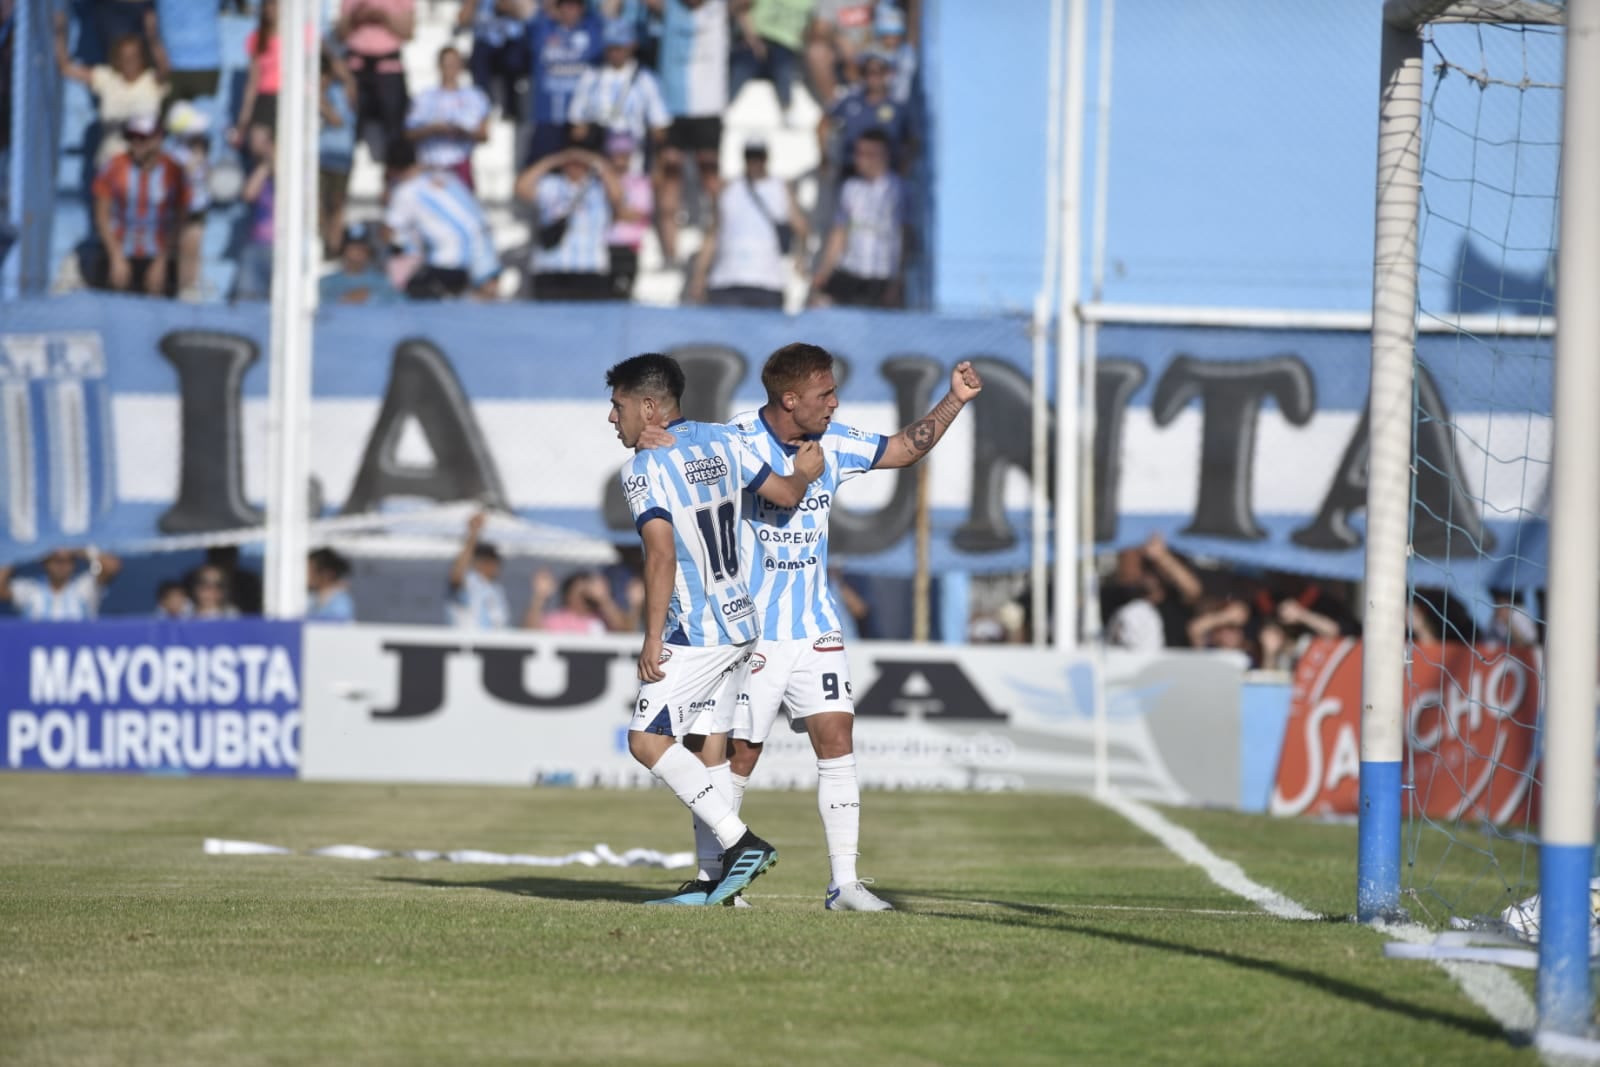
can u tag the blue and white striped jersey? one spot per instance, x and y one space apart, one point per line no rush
479 604
698 485
588 213
434 214
788 547
77 601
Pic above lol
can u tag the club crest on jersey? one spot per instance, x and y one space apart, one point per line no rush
757 661
705 471
832 641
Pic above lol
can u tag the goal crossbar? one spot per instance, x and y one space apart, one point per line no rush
1411 14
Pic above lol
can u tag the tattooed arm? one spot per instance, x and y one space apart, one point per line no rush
917 440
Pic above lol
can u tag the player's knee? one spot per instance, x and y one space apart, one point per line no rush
646 748
742 760
832 734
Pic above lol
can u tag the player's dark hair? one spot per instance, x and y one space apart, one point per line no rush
169 586
484 550
792 366
649 374
876 136
326 559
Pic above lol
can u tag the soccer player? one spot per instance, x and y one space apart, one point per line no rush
700 624
800 659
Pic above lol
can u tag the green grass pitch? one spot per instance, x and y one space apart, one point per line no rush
1031 929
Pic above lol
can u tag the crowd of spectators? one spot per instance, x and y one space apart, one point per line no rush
618 114
1151 599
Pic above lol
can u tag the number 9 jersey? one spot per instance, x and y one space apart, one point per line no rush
697 484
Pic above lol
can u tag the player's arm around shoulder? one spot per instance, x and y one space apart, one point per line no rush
917 440
787 490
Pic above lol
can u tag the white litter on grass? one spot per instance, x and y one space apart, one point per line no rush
601 855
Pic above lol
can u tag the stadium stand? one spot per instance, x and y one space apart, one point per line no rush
754 114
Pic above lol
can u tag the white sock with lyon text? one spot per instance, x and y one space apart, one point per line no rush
689 778
839 803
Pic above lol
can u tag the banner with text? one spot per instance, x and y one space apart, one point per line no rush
1471 732
127 419
213 697
431 705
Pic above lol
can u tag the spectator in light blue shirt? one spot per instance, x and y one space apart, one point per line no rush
477 599
172 601
358 279
327 579
191 34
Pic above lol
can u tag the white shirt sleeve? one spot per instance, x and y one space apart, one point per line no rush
655 107
25 594
417 115
1137 627
582 108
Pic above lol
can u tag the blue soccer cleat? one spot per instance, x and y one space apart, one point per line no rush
749 858
691 894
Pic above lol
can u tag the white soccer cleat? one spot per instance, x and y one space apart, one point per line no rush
854 896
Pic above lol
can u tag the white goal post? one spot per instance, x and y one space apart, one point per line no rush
1568 719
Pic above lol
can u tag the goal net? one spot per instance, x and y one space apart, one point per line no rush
1481 448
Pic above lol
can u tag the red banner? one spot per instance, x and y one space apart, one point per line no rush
1471 718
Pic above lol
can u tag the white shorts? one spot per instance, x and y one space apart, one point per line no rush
810 675
698 694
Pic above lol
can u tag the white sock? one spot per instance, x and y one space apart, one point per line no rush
739 782
688 777
707 849
839 802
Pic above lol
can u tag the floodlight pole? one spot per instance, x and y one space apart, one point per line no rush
1566 822
289 389
1389 404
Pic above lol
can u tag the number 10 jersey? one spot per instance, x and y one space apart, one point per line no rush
697 485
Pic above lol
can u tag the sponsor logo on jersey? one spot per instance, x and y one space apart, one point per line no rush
771 536
737 608
666 654
705 471
635 486
757 662
832 641
861 435
789 564
820 502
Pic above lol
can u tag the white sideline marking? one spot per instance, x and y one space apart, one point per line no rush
1490 987
1191 849
1235 913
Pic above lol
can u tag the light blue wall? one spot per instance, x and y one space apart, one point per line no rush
1242 158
